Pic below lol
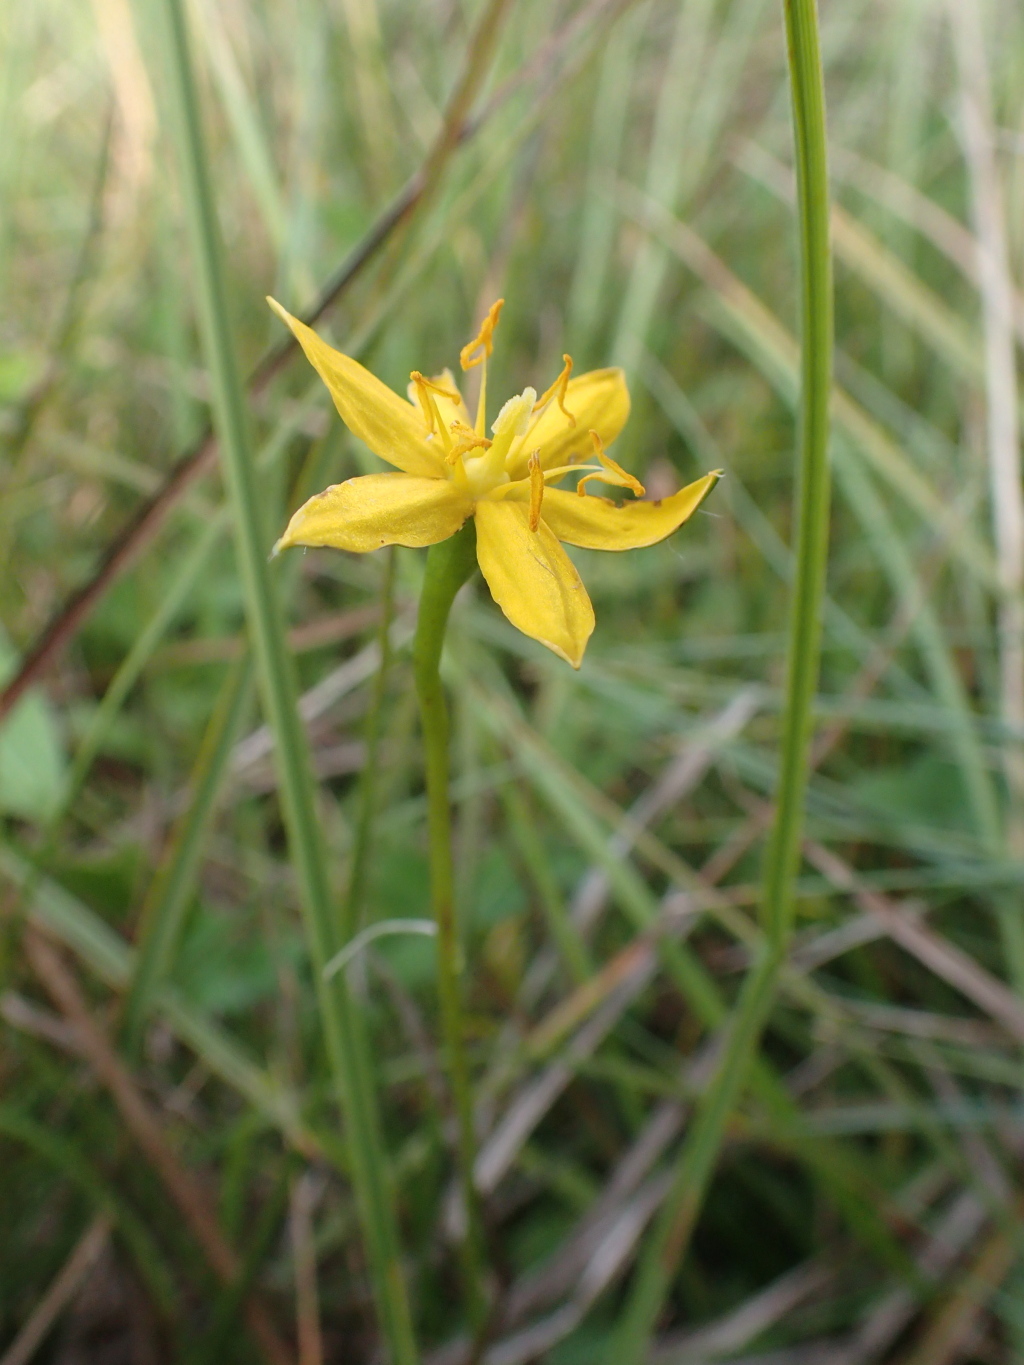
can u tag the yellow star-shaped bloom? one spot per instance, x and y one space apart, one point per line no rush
450 471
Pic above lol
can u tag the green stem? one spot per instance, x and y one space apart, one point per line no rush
297 787
449 565
669 1240
814 211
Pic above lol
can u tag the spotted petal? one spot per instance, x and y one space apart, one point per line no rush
379 509
532 579
390 426
599 400
599 524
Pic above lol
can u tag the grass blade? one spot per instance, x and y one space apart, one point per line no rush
671 1235
163 913
298 795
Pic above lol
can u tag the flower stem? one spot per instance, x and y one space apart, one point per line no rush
668 1241
449 565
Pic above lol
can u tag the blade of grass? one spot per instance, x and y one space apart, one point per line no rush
896 285
835 1171
362 844
297 788
774 350
699 81
749 515
143 1122
211 1350
70 922
67 1158
61 1293
572 950
243 116
772 347
163 912
671 1235
599 220
1003 426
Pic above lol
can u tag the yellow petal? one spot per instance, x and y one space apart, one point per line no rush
379 509
599 400
391 427
598 524
532 579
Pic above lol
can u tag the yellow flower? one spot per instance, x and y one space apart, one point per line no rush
450 470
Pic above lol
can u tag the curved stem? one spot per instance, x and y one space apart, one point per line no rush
449 565
668 1241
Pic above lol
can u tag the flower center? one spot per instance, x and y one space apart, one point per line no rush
487 471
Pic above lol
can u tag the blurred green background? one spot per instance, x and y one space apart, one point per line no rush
627 187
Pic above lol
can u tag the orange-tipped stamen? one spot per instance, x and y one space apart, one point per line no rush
536 489
557 390
483 342
425 390
623 478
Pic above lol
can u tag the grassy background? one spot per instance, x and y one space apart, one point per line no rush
632 202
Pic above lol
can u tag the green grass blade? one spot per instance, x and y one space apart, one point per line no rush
298 792
670 1238
106 954
66 1157
163 912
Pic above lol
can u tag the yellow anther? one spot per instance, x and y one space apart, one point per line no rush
536 489
557 390
483 342
466 439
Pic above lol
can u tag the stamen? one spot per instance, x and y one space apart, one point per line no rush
622 476
536 489
603 476
558 389
425 390
484 339
481 402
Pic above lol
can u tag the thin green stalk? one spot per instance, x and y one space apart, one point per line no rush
370 1176
449 565
163 912
671 1235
